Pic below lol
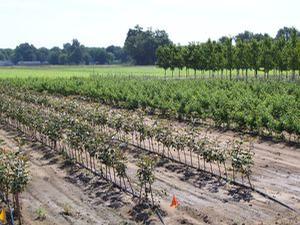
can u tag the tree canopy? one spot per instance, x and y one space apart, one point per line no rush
73 53
246 50
141 45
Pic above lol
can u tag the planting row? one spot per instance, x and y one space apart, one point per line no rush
191 148
77 140
266 108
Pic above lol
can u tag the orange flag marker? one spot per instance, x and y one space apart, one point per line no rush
3 216
175 202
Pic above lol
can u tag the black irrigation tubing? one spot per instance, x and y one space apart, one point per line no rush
220 177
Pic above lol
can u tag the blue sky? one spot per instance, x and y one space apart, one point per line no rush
104 22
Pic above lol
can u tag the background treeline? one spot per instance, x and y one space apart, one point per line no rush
71 53
244 52
139 48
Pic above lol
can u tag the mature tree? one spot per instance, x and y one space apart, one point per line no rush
241 55
24 52
238 55
293 53
42 54
208 52
245 36
87 58
2 56
186 54
110 57
172 53
119 55
63 59
76 54
194 55
280 54
67 48
210 55
202 55
141 45
223 39
246 62
6 54
254 56
220 57
179 60
286 33
260 37
266 55
54 56
98 55
163 57
229 55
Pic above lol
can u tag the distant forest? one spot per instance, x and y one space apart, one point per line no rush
140 48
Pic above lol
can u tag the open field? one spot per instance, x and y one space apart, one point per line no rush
111 70
68 71
76 142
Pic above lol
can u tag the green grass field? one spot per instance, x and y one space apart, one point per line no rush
69 71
